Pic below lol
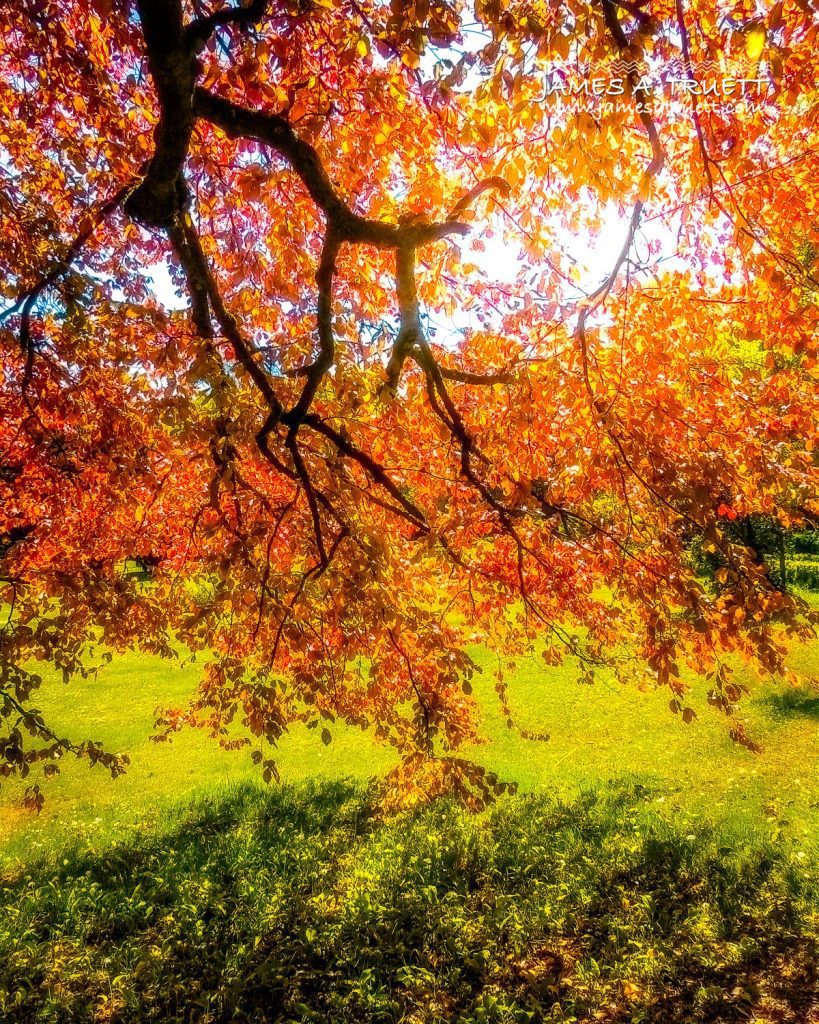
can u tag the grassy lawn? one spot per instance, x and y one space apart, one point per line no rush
602 733
649 871
299 905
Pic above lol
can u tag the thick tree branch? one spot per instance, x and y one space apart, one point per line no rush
487 185
197 284
274 131
173 69
202 281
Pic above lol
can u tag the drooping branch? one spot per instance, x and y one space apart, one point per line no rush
27 301
409 330
193 268
25 304
417 346
324 320
695 113
423 705
411 341
303 474
200 277
373 468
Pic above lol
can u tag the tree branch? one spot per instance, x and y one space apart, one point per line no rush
324 319
173 68
200 30
274 131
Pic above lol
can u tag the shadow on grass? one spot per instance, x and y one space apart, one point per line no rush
301 904
793 703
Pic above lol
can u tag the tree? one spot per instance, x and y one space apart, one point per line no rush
338 497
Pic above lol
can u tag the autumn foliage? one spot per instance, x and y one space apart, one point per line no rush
388 418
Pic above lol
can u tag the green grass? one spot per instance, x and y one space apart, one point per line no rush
606 732
299 904
650 871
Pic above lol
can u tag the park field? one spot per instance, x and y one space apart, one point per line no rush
648 870
598 734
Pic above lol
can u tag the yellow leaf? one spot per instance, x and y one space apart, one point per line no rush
755 42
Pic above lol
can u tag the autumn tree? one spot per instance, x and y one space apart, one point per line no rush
382 414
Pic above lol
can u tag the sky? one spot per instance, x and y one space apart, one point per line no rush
594 256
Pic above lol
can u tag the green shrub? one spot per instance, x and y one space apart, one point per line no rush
801 549
804 542
803 572
761 533
300 905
